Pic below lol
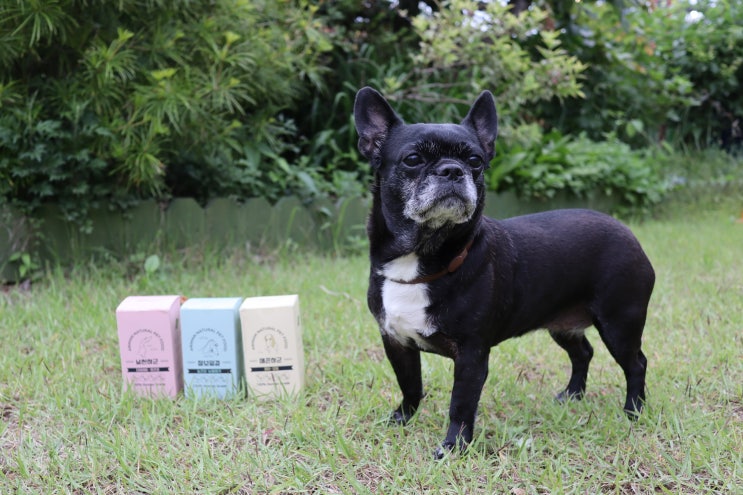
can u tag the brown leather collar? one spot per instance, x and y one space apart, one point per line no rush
452 267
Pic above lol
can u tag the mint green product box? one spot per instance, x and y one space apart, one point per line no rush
212 346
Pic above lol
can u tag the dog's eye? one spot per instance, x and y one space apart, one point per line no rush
474 161
413 160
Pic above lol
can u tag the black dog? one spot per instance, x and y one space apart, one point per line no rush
446 279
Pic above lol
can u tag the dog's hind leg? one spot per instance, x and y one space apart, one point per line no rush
622 334
580 352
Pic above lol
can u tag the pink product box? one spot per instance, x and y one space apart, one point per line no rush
150 344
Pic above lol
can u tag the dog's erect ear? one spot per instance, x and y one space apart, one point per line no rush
483 119
374 118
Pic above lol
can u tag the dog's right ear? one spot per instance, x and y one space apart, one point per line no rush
374 118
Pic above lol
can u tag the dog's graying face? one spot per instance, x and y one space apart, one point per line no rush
438 172
433 170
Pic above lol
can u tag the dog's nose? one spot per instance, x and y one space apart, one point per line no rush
449 170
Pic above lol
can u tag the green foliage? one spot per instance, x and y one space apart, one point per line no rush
48 160
657 73
103 103
145 97
28 268
151 264
466 48
710 55
629 90
371 41
581 167
432 66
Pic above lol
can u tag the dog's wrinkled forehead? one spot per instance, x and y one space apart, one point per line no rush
433 141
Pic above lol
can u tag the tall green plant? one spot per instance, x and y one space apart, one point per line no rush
670 72
435 60
371 43
146 97
581 168
710 54
467 47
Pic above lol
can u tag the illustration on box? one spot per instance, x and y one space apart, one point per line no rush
209 345
269 346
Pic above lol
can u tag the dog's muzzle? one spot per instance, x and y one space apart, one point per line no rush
446 195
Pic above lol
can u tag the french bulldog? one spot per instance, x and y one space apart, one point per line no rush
448 280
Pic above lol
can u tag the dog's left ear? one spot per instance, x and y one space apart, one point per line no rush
483 119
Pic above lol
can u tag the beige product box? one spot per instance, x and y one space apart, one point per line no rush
272 345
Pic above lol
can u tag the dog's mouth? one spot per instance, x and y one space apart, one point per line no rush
435 206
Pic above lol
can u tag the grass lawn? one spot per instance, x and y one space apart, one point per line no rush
66 425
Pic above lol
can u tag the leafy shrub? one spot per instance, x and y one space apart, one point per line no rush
102 103
433 65
467 47
48 160
162 97
371 43
580 167
709 52
657 73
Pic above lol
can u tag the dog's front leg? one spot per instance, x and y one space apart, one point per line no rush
406 363
470 372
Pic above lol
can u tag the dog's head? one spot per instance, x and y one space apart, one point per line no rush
430 174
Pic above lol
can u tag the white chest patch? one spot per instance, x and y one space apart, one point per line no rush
405 304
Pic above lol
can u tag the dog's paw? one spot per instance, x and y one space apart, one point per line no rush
443 450
633 409
447 448
566 396
397 418
400 417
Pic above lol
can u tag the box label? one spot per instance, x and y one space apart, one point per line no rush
208 352
269 359
146 347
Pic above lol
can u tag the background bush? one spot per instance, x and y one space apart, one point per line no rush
118 100
582 168
670 73
103 103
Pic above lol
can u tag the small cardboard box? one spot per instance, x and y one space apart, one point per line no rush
272 345
150 344
212 347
